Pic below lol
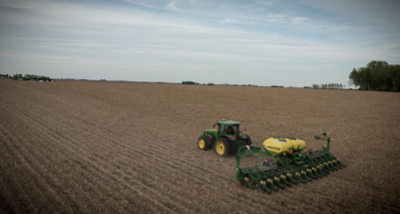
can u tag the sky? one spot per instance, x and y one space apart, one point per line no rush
264 42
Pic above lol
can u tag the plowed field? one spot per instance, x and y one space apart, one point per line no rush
97 147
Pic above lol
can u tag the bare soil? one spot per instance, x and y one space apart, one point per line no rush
97 147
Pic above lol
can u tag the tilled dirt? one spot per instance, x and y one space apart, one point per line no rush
97 147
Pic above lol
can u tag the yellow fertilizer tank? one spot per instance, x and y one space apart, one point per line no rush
279 145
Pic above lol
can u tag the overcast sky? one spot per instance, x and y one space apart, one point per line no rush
290 43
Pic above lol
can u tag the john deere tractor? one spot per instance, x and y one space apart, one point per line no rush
225 138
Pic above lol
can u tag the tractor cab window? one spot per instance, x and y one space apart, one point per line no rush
222 129
235 129
230 129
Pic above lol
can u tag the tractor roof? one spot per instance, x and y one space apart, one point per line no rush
228 122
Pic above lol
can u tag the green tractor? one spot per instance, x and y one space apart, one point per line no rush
225 138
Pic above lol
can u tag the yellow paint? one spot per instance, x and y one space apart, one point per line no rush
297 143
276 145
220 148
280 145
201 144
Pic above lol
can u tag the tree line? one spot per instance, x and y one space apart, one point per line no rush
210 83
376 76
26 77
329 86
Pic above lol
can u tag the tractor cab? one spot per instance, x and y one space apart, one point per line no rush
228 128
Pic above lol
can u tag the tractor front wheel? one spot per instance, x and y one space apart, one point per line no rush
223 147
202 143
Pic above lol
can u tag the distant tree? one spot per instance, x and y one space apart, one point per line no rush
190 83
17 76
376 76
395 77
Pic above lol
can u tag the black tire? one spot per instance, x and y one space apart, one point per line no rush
248 140
202 143
210 141
223 147
234 148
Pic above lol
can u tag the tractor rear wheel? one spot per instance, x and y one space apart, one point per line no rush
202 143
223 147
248 140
